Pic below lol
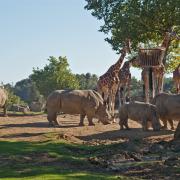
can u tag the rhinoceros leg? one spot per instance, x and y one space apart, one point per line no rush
90 121
52 118
5 111
144 124
155 122
121 123
82 116
124 122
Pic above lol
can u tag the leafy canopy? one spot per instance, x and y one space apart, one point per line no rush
27 90
140 20
55 75
87 81
143 21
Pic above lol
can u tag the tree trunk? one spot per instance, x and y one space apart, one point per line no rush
177 133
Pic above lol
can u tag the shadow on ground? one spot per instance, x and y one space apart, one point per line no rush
135 133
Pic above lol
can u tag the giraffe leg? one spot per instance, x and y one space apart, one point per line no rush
178 86
113 106
106 96
160 84
128 87
146 83
110 102
124 95
154 85
119 96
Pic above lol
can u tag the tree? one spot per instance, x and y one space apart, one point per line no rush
12 98
136 87
87 81
27 90
142 21
169 85
55 75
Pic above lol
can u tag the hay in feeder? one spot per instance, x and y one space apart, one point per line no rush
151 57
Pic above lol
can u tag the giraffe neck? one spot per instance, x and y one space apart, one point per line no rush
120 60
166 42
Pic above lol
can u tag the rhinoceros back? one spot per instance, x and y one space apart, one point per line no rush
72 101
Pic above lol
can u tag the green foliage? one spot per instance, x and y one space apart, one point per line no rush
173 60
55 75
26 160
87 81
139 20
142 21
169 85
136 87
27 90
12 98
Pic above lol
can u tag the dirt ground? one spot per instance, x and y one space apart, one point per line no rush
132 153
33 128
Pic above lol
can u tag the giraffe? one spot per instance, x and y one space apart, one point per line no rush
158 71
107 84
176 78
125 79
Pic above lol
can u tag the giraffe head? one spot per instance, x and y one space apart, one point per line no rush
134 62
174 35
171 35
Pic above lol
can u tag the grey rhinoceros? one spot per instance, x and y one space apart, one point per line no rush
84 102
168 107
141 112
3 100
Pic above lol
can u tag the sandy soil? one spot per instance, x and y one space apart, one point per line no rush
157 155
33 128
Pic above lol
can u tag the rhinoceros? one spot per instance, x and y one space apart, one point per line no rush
168 107
141 112
3 100
84 102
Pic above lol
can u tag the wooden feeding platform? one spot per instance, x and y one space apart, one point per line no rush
151 57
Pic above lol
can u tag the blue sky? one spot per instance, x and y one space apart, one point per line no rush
33 30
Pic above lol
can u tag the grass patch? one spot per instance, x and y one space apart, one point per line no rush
30 113
49 160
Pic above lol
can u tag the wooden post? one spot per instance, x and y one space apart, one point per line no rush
146 83
154 85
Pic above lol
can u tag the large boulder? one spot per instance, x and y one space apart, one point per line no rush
3 100
36 106
140 112
84 102
19 108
